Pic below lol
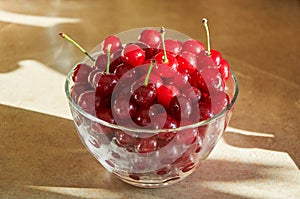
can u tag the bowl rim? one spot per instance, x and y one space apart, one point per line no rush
68 80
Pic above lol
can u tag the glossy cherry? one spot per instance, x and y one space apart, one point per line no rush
123 107
81 73
101 62
79 88
224 69
165 93
114 41
86 101
145 95
133 55
150 37
192 46
172 45
181 107
106 84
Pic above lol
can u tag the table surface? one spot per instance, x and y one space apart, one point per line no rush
41 155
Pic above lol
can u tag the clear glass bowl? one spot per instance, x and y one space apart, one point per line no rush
164 166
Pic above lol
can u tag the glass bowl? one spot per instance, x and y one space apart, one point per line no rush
122 149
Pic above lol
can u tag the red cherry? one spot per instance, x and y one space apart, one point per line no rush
224 69
173 46
149 52
150 37
216 56
133 55
81 73
165 93
172 62
187 62
114 41
192 46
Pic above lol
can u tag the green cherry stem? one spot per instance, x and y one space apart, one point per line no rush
108 58
149 71
162 34
65 36
204 22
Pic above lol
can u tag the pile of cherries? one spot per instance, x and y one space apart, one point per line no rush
154 83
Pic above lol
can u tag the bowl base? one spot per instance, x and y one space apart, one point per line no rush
144 183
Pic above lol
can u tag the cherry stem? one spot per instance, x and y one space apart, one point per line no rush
162 34
108 58
149 71
204 21
65 36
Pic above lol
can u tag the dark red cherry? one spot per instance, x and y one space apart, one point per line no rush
192 46
213 79
193 93
150 37
219 101
123 108
204 61
133 55
114 41
116 60
224 69
144 95
142 117
101 62
187 136
102 102
165 93
147 145
81 73
181 107
124 68
205 109
86 101
173 46
106 115
79 88
154 78
106 84
124 139
92 78
149 52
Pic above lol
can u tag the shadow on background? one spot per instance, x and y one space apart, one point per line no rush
40 152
